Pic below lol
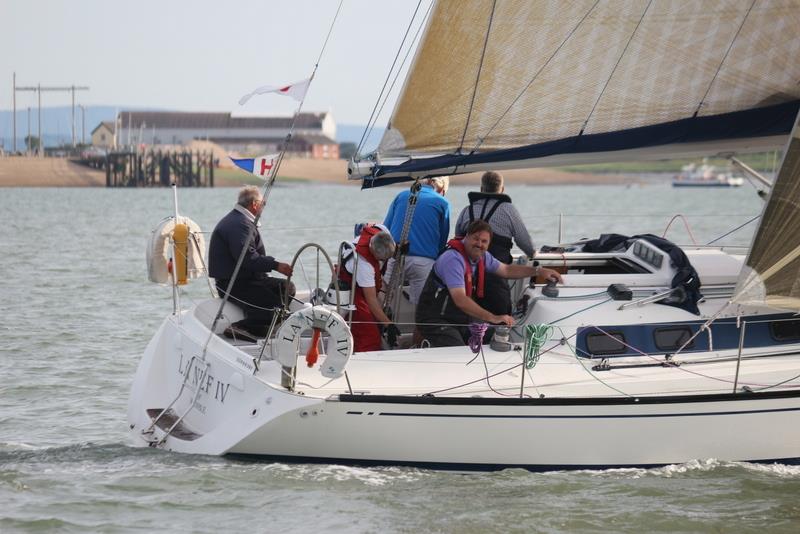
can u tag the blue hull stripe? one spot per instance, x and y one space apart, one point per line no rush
622 416
571 401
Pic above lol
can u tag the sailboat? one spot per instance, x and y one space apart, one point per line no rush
621 365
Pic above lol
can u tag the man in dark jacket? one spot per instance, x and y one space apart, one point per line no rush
254 290
495 207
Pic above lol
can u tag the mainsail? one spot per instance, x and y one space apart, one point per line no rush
771 274
522 83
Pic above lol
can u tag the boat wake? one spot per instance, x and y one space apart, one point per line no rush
369 476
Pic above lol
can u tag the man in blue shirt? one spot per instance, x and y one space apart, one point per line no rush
428 233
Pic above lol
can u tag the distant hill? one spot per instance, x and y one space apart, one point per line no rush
56 122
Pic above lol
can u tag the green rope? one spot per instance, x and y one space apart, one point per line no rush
536 335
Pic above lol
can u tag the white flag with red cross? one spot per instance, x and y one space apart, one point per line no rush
296 90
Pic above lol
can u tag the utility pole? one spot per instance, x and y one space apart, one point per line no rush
14 114
38 89
40 144
83 124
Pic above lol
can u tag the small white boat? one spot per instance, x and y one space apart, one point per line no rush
618 368
705 175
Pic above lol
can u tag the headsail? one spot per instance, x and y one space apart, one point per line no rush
520 83
771 274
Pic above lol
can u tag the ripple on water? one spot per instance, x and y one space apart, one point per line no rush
72 340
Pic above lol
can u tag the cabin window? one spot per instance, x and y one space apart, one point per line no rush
672 338
600 266
785 330
599 344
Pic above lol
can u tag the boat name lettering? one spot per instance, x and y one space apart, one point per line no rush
295 330
247 365
200 408
205 381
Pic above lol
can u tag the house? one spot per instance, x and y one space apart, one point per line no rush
313 134
315 147
103 135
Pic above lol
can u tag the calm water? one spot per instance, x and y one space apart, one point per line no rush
77 313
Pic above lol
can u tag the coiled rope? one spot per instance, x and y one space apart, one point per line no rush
476 333
536 335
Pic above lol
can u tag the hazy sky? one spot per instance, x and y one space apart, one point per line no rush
202 55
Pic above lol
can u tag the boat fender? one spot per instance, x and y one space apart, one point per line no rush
180 239
286 344
188 238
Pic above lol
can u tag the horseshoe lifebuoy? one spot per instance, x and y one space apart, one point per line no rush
285 345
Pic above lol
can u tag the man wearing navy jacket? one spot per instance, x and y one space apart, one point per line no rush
254 290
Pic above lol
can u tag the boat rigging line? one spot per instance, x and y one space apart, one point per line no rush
685 223
477 77
734 230
399 70
619 59
525 89
719 67
391 298
373 115
266 190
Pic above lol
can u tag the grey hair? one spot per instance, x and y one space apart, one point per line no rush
382 245
491 182
248 194
440 182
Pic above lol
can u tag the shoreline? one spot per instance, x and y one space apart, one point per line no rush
22 171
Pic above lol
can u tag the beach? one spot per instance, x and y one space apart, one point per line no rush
21 171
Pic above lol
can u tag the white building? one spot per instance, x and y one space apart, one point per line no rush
245 135
103 135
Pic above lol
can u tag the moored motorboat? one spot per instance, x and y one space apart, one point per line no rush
705 175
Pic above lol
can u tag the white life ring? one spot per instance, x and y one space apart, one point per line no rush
159 250
285 345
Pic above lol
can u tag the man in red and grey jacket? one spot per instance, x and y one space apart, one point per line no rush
373 247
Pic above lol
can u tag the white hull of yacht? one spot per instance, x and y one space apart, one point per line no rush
238 409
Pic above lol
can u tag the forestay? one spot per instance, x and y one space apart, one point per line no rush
520 83
772 271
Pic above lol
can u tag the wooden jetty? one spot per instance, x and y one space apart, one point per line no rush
157 168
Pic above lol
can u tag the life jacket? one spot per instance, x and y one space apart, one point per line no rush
458 244
362 248
436 306
501 245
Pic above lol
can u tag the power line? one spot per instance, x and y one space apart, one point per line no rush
39 89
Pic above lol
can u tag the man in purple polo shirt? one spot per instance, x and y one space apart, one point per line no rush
454 292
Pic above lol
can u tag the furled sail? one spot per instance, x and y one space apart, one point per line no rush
771 274
521 83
